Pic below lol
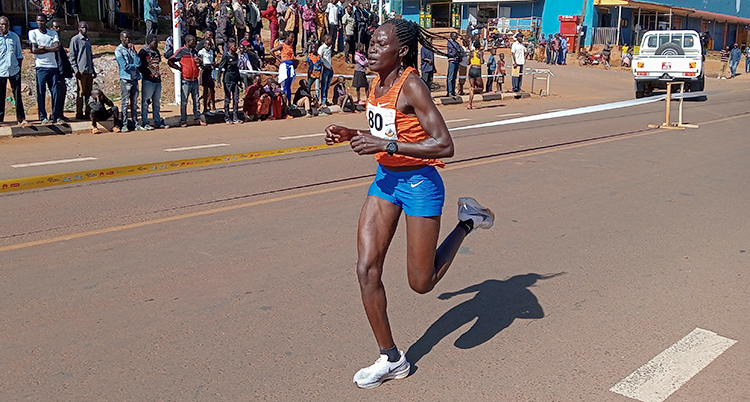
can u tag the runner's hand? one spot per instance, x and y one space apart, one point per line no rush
365 143
336 134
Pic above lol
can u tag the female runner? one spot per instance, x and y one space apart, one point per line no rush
407 135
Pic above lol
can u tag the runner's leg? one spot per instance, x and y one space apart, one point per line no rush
426 265
377 224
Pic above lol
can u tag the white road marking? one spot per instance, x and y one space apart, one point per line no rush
23 165
510 115
573 112
302 136
196 147
457 120
669 370
555 110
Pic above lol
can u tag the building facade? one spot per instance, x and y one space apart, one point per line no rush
600 21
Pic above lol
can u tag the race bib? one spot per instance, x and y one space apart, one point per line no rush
382 121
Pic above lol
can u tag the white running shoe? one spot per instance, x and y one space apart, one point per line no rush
469 208
382 370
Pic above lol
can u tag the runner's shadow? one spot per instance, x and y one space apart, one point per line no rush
495 306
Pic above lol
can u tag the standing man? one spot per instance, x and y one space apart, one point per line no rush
239 19
128 62
65 72
321 19
252 18
44 45
563 60
82 62
518 57
332 12
186 60
224 27
454 61
724 62
291 18
151 12
734 59
151 84
555 49
428 63
10 70
326 76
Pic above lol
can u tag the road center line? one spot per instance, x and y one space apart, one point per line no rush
656 380
196 147
510 115
294 137
457 120
23 165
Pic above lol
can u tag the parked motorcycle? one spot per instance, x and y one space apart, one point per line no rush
586 59
498 40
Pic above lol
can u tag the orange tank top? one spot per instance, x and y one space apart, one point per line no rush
386 121
287 52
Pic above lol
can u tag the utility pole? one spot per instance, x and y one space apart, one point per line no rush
578 34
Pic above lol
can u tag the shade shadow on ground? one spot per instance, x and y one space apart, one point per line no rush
495 305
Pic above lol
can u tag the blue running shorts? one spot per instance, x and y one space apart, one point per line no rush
418 192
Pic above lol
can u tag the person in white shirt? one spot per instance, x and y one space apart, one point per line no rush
44 46
327 74
518 57
332 12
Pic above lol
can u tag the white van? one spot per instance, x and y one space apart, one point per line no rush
668 56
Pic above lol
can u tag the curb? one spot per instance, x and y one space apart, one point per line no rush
174 121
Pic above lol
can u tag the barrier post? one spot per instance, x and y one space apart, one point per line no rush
667 124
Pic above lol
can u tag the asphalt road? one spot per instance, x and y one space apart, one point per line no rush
236 282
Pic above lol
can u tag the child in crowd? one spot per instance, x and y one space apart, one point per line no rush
230 69
491 67
500 71
304 99
259 48
102 109
206 79
340 97
246 40
360 79
314 68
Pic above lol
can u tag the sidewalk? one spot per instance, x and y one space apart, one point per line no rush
171 116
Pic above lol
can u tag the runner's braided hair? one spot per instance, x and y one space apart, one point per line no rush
410 34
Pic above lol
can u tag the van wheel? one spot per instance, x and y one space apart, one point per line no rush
638 94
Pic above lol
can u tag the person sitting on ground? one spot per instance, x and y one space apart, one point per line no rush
304 99
101 110
276 101
360 79
340 97
251 103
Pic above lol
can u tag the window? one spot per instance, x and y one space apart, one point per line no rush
677 40
689 41
664 39
652 41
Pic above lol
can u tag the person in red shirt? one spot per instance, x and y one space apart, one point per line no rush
273 20
187 61
407 135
